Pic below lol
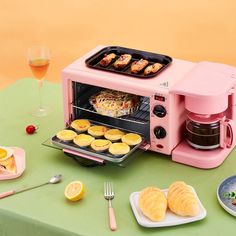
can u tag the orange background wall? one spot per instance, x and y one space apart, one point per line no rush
189 29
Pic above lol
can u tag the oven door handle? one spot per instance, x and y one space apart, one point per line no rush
83 155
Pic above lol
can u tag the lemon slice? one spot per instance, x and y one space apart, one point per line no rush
74 191
3 153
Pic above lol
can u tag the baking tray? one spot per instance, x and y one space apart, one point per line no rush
89 151
93 61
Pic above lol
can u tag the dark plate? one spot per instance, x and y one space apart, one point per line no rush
228 185
93 61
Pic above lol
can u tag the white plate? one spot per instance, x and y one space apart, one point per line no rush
171 219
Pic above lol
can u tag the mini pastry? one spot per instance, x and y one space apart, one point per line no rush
152 69
83 140
182 199
97 130
137 66
106 60
114 134
66 135
118 149
8 165
153 204
122 61
80 125
100 145
131 139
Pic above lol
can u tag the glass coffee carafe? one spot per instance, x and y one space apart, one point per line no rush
208 132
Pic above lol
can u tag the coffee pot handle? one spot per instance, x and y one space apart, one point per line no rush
226 133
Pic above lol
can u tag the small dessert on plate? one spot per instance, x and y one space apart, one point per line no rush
182 200
152 69
83 140
97 130
122 61
100 145
153 203
131 139
106 60
114 134
80 125
137 66
7 160
66 135
119 149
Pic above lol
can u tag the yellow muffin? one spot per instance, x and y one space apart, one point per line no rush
100 145
80 125
153 203
66 135
97 130
114 134
118 149
131 139
83 140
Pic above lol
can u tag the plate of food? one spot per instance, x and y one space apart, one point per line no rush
153 207
226 194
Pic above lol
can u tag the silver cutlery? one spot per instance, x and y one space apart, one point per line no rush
109 195
54 180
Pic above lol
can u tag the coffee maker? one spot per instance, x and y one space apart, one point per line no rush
208 91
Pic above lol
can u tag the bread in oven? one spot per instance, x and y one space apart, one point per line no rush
83 140
114 103
152 69
107 59
100 145
97 130
153 203
80 125
122 61
138 66
114 134
131 139
66 135
119 149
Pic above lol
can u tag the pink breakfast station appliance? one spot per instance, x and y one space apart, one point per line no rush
187 110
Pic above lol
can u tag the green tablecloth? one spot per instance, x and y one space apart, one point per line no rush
44 211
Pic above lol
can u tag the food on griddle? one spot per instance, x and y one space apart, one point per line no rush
122 61
100 145
138 66
97 130
182 200
66 135
152 69
83 140
119 149
115 103
153 203
106 60
114 134
80 125
132 139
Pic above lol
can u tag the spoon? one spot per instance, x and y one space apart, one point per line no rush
54 180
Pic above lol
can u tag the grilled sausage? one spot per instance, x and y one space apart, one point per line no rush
137 66
152 69
122 61
107 59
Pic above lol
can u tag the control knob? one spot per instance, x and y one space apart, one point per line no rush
159 111
160 132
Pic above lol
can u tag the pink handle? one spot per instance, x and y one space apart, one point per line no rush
226 133
112 219
5 194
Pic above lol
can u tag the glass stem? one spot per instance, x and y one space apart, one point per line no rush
40 84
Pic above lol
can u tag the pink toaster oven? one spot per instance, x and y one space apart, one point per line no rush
187 110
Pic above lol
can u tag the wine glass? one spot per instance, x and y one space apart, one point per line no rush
38 59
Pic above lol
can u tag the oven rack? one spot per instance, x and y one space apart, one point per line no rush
141 116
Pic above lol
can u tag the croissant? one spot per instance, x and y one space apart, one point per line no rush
182 200
153 203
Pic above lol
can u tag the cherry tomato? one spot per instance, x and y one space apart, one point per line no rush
30 129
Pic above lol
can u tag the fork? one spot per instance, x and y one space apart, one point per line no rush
109 195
